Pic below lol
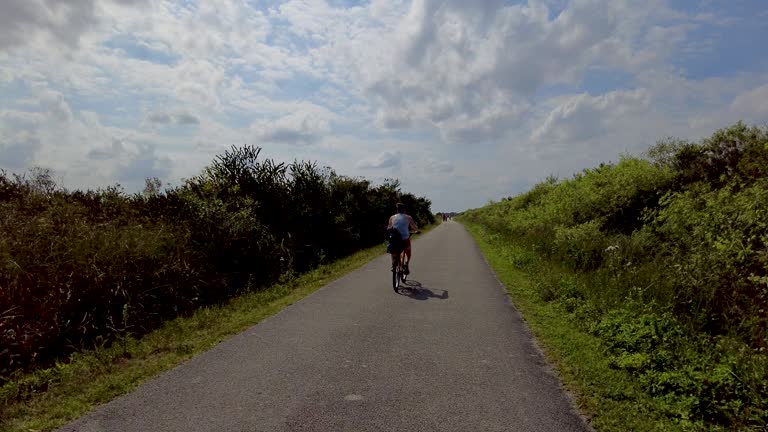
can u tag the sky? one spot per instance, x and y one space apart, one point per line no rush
463 101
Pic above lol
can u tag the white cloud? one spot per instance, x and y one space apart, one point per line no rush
89 86
19 139
473 70
180 118
304 126
77 146
583 116
50 21
199 82
383 160
753 103
107 152
439 166
143 163
53 103
24 20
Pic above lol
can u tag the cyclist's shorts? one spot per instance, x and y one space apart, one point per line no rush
398 247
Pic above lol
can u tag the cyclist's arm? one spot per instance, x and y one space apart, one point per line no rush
412 224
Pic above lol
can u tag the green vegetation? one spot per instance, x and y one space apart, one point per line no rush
663 262
46 398
87 269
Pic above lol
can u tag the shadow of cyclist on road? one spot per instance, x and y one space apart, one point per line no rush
413 289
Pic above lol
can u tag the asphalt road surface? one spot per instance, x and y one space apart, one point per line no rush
447 353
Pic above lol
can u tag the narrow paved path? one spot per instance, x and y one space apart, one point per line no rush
449 354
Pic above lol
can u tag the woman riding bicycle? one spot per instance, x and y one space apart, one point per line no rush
403 224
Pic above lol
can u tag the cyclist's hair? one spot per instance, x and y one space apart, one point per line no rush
400 207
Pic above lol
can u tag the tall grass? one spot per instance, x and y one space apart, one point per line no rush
666 258
82 268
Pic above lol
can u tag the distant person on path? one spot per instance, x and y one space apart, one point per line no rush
403 224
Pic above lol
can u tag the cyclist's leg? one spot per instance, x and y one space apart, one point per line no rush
407 252
396 254
408 249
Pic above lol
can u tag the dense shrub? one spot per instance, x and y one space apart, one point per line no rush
83 266
670 256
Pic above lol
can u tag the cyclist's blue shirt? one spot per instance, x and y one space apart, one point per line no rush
402 225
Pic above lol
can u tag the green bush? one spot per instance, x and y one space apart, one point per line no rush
666 260
716 246
581 245
80 267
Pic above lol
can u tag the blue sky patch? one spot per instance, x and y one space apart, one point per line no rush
729 50
600 81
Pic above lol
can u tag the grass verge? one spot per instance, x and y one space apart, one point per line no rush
611 399
45 399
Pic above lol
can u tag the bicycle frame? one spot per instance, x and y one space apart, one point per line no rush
398 274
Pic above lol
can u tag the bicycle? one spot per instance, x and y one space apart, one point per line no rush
398 270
